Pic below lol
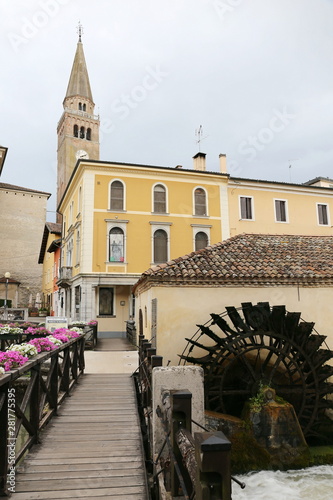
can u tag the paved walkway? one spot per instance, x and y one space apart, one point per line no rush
93 448
112 356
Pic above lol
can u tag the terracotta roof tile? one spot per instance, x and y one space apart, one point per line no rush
249 258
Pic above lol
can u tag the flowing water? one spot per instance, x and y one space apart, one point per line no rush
314 483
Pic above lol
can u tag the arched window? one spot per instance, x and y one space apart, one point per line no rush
80 106
159 199
82 133
88 136
201 240
116 240
76 131
200 202
84 107
160 246
117 196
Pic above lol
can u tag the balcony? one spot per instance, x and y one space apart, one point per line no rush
65 275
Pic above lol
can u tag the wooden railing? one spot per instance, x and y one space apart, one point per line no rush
188 465
30 396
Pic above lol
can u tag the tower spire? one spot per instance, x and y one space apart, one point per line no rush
79 84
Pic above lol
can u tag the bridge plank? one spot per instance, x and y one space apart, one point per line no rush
93 448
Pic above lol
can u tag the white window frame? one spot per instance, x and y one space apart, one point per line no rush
197 228
240 207
327 213
165 227
69 253
121 224
124 196
286 210
166 198
193 202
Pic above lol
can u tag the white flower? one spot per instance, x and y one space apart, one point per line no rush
77 330
2 370
6 330
24 349
54 340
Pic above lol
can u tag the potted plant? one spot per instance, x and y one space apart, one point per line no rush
43 311
33 312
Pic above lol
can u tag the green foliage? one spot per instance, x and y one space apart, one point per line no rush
258 401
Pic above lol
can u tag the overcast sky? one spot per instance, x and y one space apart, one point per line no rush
257 75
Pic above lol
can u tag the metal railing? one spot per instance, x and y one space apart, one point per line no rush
30 396
191 466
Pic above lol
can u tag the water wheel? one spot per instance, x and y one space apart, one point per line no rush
259 344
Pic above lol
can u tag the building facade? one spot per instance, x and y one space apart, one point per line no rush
23 216
120 219
49 259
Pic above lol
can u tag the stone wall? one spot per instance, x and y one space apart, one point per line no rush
23 216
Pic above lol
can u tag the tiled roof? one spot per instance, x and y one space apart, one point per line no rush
53 227
252 259
11 187
49 228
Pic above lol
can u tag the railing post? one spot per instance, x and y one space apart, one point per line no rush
35 400
54 383
181 418
213 473
142 357
150 353
65 371
75 361
3 438
82 342
146 345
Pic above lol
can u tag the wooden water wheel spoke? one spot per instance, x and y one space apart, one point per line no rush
259 344
236 392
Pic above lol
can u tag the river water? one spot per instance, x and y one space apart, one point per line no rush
314 483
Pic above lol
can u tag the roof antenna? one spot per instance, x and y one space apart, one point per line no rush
290 167
199 134
79 31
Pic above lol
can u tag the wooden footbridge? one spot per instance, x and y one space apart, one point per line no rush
92 448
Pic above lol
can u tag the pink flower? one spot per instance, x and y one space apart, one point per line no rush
72 335
60 336
11 360
37 331
42 344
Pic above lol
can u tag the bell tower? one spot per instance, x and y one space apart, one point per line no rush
78 127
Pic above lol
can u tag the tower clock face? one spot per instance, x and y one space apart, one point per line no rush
81 154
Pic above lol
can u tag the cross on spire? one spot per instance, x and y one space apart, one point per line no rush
79 30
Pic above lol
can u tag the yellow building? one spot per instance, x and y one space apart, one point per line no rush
280 208
119 219
51 239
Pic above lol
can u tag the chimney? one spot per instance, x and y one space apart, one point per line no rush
199 161
223 164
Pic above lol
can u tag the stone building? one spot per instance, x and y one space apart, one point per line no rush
23 216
